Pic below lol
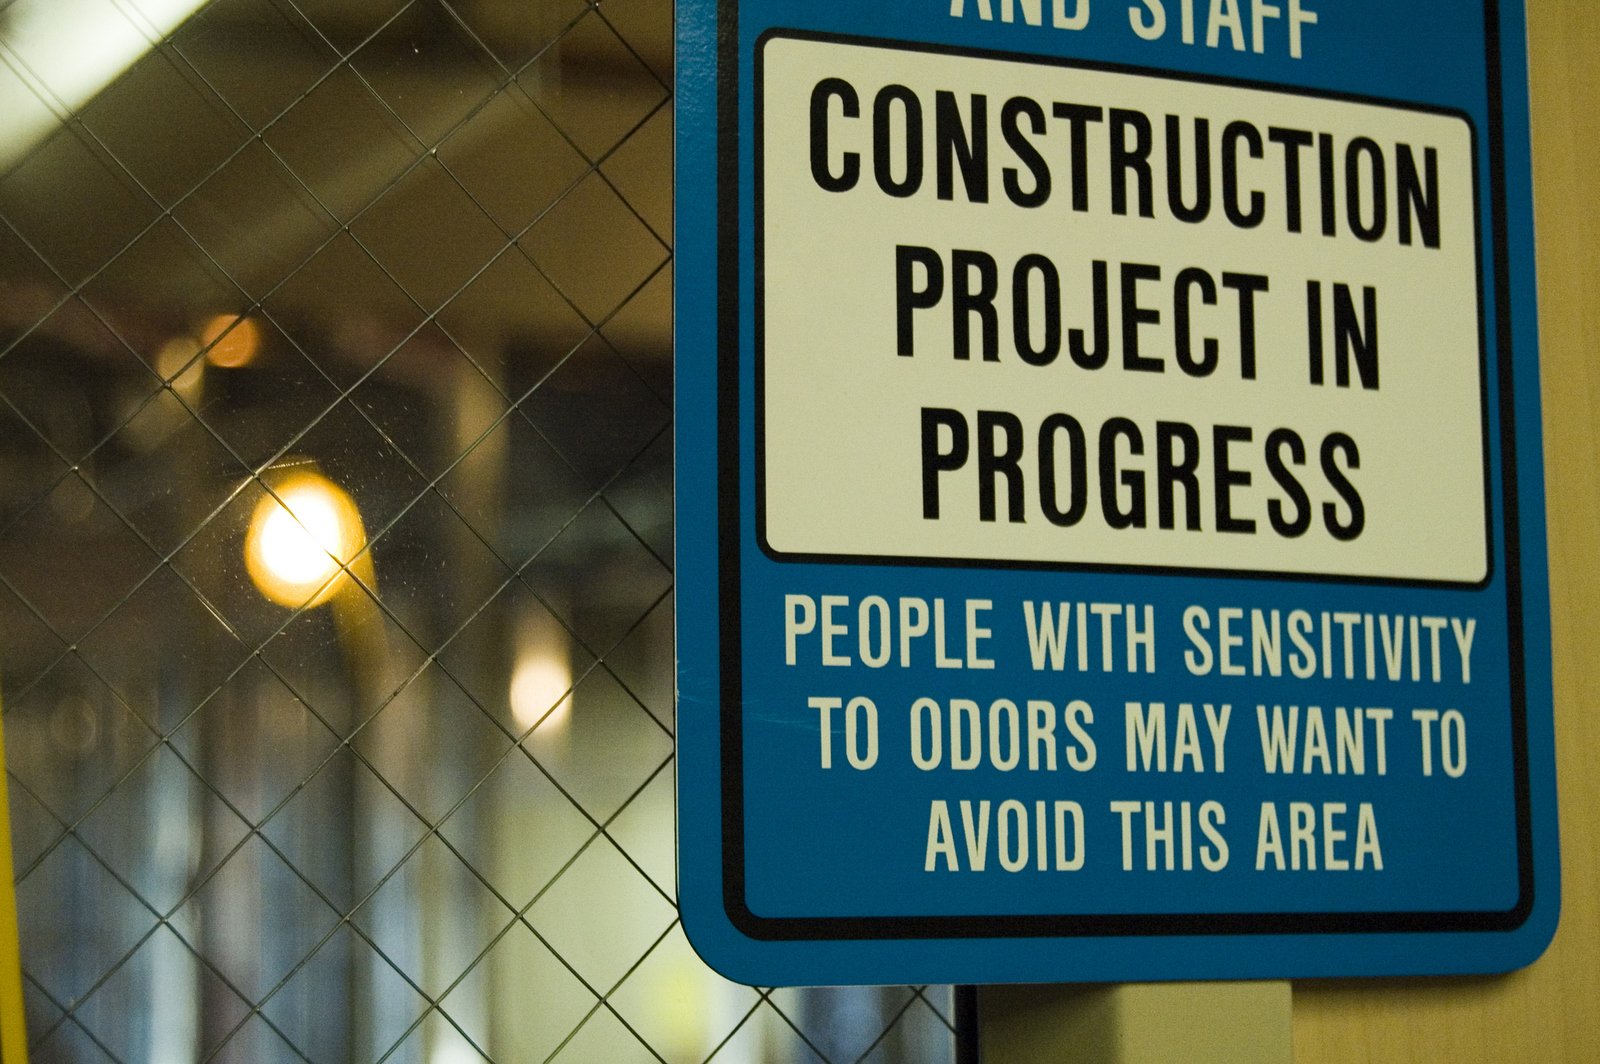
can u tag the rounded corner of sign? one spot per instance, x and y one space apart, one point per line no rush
770 549
742 919
1465 118
768 35
705 943
1538 921
717 936
1525 933
1484 577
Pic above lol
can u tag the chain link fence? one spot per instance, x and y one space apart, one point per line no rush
336 542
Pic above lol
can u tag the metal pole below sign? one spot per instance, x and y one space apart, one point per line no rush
13 1029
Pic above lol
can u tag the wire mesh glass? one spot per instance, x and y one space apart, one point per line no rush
336 542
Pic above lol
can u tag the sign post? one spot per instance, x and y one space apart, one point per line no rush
13 1026
1110 518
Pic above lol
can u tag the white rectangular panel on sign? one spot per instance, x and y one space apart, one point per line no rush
1039 313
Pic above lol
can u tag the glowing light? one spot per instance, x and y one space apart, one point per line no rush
177 366
540 680
232 342
303 544
174 355
682 1002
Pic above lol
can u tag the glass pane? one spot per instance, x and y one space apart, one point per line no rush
336 543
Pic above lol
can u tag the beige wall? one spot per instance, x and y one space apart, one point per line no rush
1551 1011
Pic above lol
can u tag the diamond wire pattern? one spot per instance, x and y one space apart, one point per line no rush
70 1040
78 338
259 834
259 56
40 1011
106 1013
200 132
70 164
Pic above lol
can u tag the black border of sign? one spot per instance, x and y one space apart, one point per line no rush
1061 925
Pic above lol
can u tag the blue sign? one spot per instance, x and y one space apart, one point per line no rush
1110 513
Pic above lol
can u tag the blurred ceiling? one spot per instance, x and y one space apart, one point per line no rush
350 167
426 214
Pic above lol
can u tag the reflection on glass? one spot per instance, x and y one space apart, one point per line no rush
539 682
300 257
304 540
66 65
231 342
